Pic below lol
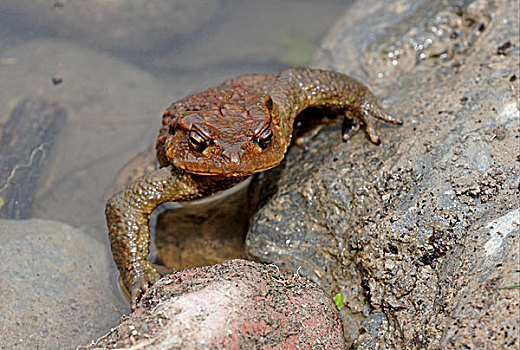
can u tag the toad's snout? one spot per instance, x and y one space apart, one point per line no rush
233 155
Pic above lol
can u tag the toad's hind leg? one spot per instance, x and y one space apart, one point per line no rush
350 125
368 113
296 89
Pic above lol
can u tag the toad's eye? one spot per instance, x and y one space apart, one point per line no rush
197 141
264 138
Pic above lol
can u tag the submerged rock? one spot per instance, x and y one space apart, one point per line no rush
117 25
55 287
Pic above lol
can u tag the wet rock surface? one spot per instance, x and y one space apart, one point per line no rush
236 305
53 277
206 232
421 233
288 43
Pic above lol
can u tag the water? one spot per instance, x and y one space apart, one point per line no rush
114 91
114 67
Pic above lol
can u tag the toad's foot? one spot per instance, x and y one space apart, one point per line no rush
138 281
369 113
368 116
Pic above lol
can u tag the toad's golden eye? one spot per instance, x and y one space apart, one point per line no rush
197 141
264 138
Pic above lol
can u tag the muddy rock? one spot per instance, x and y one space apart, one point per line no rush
115 25
421 233
55 285
206 232
236 305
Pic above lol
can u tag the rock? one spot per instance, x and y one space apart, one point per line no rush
424 228
54 285
25 145
236 305
207 231
116 25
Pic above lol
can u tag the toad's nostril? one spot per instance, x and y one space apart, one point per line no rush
235 158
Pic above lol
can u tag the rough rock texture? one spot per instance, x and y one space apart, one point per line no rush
419 234
117 24
54 286
236 305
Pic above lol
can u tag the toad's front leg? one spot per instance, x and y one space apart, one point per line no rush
128 215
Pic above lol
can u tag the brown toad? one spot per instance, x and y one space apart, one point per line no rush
211 140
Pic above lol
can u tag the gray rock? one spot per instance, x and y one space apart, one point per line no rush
55 289
374 323
423 228
290 38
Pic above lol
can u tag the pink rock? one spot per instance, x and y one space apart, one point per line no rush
236 305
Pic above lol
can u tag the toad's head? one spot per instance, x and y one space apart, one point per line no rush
222 133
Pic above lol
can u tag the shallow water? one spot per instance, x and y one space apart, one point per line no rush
112 68
114 91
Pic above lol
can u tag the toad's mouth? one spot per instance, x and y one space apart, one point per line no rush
224 172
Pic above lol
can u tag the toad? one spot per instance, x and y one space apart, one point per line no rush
213 139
